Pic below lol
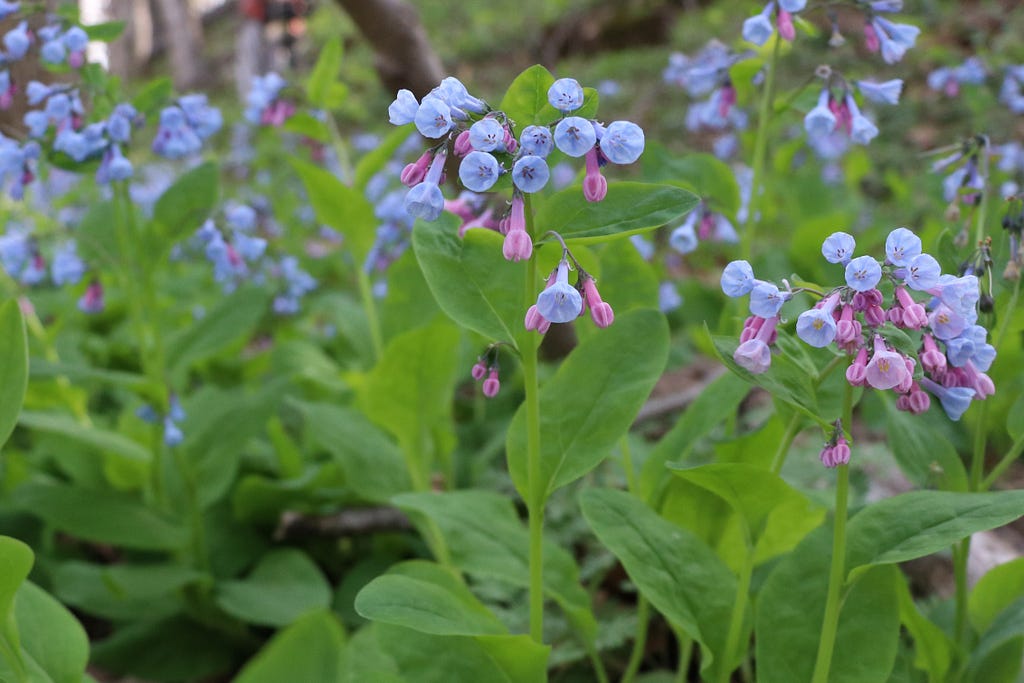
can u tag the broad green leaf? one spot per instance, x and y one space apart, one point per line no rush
680 575
340 207
429 598
13 366
994 592
922 452
592 400
485 537
933 648
97 237
324 74
310 649
282 587
123 591
40 368
791 609
261 499
102 440
709 177
16 560
409 391
153 95
766 506
101 516
630 207
371 461
176 650
52 639
364 659
305 124
1004 637
526 100
374 161
408 302
713 406
626 280
427 658
920 523
106 32
183 207
469 277
225 327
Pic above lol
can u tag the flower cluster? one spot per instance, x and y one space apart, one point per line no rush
234 251
948 80
171 421
264 105
885 36
185 125
561 302
836 450
59 45
949 358
1013 223
839 115
965 183
484 139
760 27
707 73
486 370
24 261
1011 93
701 224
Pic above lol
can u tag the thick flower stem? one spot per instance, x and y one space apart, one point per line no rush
636 657
830 625
736 621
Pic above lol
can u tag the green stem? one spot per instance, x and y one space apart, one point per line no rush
370 309
961 551
1003 464
830 624
636 657
760 153
737 620
536 488
792 429
1004 324
685 643
595 661
979 227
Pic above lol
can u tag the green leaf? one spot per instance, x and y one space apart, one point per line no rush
282 587
922 452
101 516
710 178
526 100
227 326
40 368
102 440
310 649
96 236
52 640
408 302
592 400
470 278
409 391
768 508
932 647
629 208
372 463
16 560
339 206
13 366
154 95
994 592
791 609
627 281
183 207
713 406
318 87
919 523
429 598
304 123
106 32
123 591
374 161
485 537
1005 635
262 500
680 575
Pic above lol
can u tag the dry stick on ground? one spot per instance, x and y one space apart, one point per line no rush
405 58
350 522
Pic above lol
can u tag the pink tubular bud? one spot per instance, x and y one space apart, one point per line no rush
462 146
918 401
785 22
517 246
841 452
914 315
856 374
827 456
491 384
414 173
871 41
595 186
511 145
932 360
479 370
600 311
536 321
874 316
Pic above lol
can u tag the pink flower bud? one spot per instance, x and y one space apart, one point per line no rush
871 41
413 174
856 374
479 370
600 311
462 146
874 316
785 22
517 246
491 384
535 321
841 452
595 186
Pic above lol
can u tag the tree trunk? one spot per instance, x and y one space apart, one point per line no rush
405 58
184 35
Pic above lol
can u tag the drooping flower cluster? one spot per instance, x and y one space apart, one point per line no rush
702 224
1011 93
965 183
185 125
885 36
486 370
469 128
58 44
561 302
264 105
1013 224
948 354
707 73
840 116
776 14
173 435
948 80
